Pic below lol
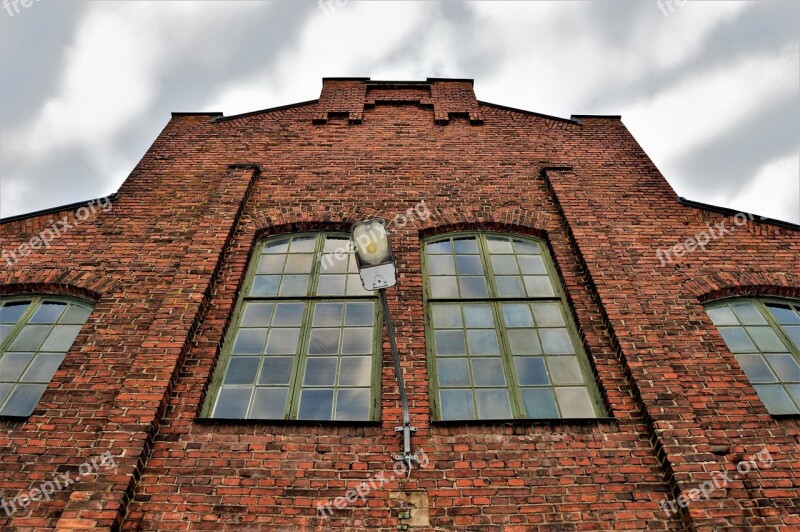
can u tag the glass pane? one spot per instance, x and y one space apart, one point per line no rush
5 389
548 315
766 339
334 263
488 372
439 248
465 246
288 315
242 370
524 247
483 342
473 287
446 316
499 245
456 404
556 341
531 371
320 371
61 338
524 342
269 403
359 314
299 264
478 316
493 404
538 286
328 314
257 314
783 314
517 315
48 313
776 399
23 400
331 285
574 402
441 265
271 264
43 368
12 312
233 403
353 268
283 341
469 265
450 343
565 370
443 287
453 372
355 371
785 366
539 403
352 405
316 405
250 341
355 287
276 370
793 389
357 341
30 338
4 331
794 335
737 340
324 342
303 244
505 265
509 286
294 285
722 316
336 245
277 246
748 314
756 368
12 365
265 285
532 265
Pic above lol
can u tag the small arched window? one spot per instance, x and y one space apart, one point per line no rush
305 340
501 342
35 335
764 336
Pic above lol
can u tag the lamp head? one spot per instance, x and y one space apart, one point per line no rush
374 255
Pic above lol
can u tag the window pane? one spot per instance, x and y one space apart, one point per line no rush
12 365
283 341
473 287
299 263
331 285
336 245
783 314
439 248
334 263
453 372
524 342
493 404
517 315
794 335
5 330
538 286
441 265
271 264
748 314
737 340
30 338
539 403
564 370
288 315
722 316
294 285
548 315
324 342
277 246
48 313
320 371
793 389
352 405
447 316
61 338
532 265
531 371
483 342
450 343
465 246
355 371
456 404
443 287
556 341
574 402
265 285
505 265
488 372
766 339
250 341
509 286
776 399
43 368
355 287
242 370
785 366
357 341
316 405
328 314
360 314
469 265
303 244
499 245
478 316
257 314
23 399
276 370
12 312
269 403
525 247
5 389
233 403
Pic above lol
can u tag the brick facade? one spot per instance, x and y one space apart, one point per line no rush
164 265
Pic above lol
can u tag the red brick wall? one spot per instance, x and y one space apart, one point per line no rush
165 265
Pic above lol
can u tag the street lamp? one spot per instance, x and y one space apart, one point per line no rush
378 272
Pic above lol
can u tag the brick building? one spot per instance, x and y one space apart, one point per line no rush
582 349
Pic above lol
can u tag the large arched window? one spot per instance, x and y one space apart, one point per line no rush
764 336
35 335
305 340
500 340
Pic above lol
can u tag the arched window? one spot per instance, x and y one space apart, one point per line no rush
305 339
35 335
501 342
764 336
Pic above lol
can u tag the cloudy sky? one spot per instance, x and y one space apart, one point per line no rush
710 89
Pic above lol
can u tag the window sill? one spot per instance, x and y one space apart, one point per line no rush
525 422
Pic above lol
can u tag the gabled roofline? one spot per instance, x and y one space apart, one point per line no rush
54 210
530 113
734 212
270 110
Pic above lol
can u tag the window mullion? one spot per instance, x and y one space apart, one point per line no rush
775 326
507 357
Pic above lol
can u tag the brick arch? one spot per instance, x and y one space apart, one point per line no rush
310 218
511 220
719 285
84 285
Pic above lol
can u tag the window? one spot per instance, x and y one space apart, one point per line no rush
305 342
501 343
764 336
35 335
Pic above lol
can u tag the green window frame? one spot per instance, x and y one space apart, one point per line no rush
36 332
764 336
305 341
500 341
